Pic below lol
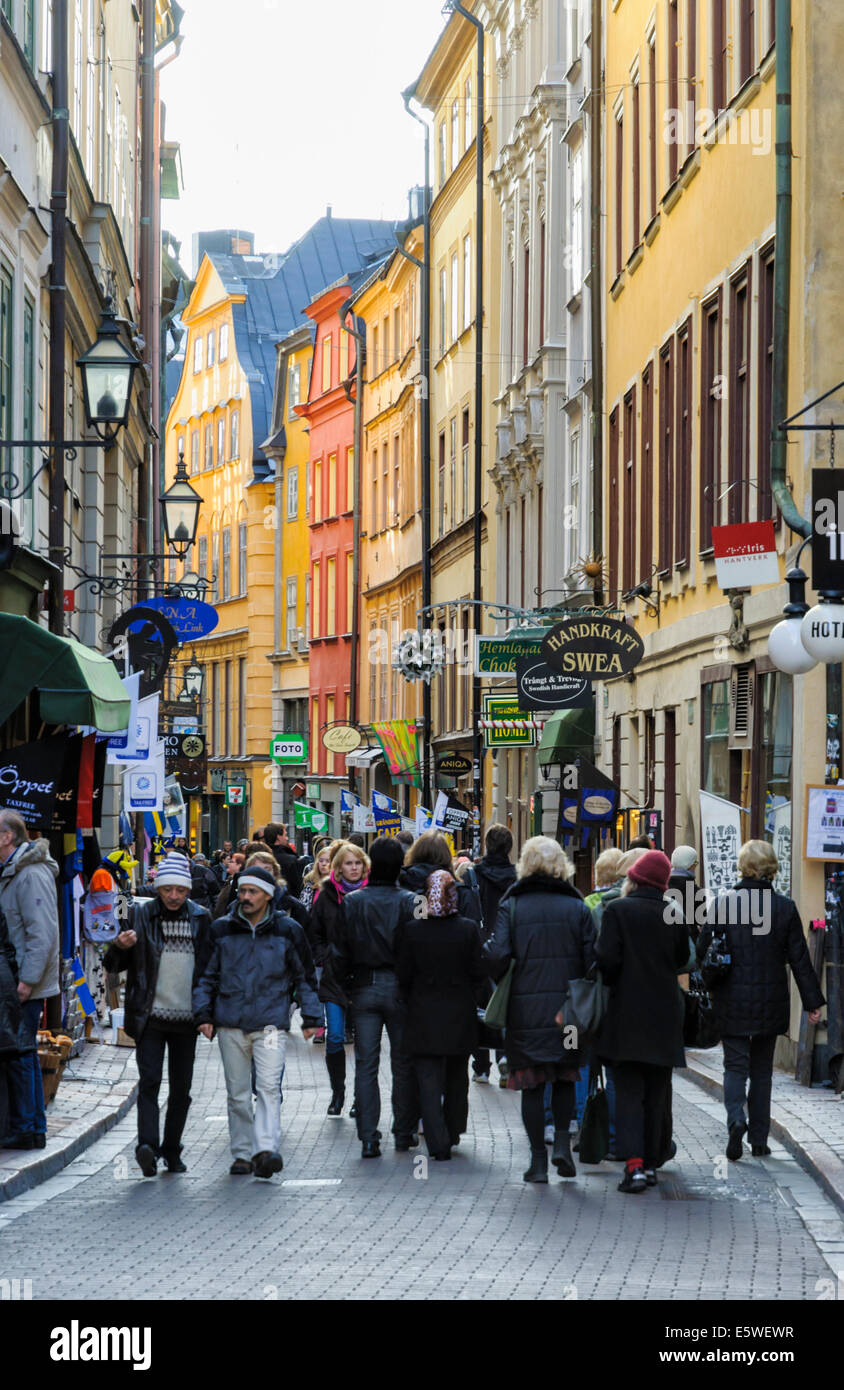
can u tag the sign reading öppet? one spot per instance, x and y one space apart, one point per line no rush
593 647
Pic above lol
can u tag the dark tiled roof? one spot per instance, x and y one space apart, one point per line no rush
278 289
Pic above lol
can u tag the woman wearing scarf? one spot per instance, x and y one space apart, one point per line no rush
439 966
349 869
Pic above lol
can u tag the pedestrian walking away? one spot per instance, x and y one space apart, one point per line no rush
545 930
439 966
495 875
164 953
30 905
244 994
763 935
275 839
641 949
364 965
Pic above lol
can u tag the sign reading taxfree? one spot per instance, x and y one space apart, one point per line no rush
594 647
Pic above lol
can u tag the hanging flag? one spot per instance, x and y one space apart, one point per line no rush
84 995
399 740
381 802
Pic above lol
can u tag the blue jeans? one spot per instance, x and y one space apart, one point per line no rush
378 1006
335 1022
26 1094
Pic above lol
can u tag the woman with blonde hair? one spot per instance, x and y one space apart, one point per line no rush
317 875
348 870
752 1003
545 928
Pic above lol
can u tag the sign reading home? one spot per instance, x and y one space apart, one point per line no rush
593 647
541 687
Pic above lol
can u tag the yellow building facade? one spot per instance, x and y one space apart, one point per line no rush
689 256
447 88
210 420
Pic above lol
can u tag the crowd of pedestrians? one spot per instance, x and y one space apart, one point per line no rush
455 961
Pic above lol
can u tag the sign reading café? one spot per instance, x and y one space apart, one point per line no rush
593 647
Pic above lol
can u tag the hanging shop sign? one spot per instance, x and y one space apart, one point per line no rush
363 819
348 800
539 686
289 748
341 738
454 764
30 777
593 646
143 785
146 733
122 745
399 740
312 790
186 758
720 833
827 530
449 814
497 656
506 724
151 642
309 818
235 792
745 555
189 618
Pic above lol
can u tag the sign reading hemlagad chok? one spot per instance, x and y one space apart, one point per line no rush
745 554
593 647
497 656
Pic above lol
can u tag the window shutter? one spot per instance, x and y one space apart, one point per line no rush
742 685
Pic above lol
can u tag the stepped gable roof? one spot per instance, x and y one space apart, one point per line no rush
278 288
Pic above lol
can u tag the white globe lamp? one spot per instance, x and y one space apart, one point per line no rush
822 629
785 641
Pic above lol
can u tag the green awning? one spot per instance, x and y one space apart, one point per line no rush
75 684
566 734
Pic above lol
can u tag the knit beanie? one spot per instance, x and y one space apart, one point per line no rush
386 859
652 870
173 872
257 877
685 858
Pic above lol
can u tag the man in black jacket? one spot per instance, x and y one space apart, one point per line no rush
275 839
204 885
365 966
245 994
165 952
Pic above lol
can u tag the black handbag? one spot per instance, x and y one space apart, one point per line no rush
700 1029
594 1138
716 964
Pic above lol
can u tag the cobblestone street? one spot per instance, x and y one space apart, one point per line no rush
332 1225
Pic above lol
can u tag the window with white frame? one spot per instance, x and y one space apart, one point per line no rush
212 338
227 563
455 298
576 229
291 605
241 557
467 281
292 494
443 310
221 438
467 113
197 353
294 392
455 134
224 341
234 435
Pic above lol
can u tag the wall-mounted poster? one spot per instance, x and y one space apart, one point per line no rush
823 831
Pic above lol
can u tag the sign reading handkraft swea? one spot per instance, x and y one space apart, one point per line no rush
594 647
539 686
745 554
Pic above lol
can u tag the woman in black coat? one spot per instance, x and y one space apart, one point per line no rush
546 929
439 966
752 1004
349 870
429 853
643 946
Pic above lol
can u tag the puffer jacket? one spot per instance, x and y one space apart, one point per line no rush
495 875
14 1039
641 950
764 935
251 976
415 877
546 928
370 920
290 913
142 960
28 899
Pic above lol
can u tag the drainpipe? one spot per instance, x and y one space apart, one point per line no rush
360 346
477 588
782 276
425 434
58 310
148 306
596 294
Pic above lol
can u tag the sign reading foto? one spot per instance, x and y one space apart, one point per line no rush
289 748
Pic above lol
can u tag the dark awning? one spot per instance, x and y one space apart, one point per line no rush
75 684
567 733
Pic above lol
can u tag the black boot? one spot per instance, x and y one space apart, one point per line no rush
336 1064
538 1170
561 1156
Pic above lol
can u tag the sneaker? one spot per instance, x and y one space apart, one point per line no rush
482 1078
549 1134
737 1133
650 1177
634 1180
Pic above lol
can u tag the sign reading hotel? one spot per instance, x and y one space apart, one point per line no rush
593 647
745 555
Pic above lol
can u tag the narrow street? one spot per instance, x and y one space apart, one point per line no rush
333 1225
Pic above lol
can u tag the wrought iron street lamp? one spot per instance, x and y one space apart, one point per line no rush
107 368
194 679
180 506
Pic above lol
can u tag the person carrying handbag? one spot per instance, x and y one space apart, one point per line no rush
545 930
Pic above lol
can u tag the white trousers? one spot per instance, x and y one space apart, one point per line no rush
262 1134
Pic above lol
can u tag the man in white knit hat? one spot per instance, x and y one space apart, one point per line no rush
164 952
245 996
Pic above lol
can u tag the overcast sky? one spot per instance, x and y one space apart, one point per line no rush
282 107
